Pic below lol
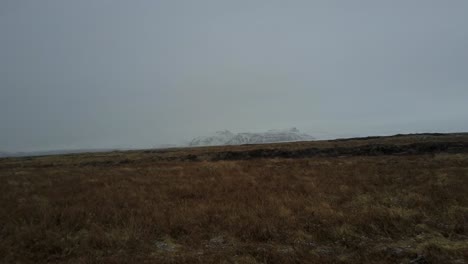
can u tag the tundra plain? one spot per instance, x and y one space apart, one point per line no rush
398 199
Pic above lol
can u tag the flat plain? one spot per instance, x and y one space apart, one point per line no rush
398 199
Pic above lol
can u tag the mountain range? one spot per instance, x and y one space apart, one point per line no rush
219 138
226 137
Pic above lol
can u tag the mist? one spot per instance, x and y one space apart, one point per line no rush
138 74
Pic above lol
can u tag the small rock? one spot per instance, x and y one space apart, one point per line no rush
310 244
324 251
164 246
217 240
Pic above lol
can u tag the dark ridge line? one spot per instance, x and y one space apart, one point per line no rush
400 136
367 150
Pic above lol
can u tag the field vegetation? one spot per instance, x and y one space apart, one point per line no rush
202 206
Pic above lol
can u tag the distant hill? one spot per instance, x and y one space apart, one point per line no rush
226 137
51 152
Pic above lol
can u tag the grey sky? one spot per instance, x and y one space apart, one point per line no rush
96 73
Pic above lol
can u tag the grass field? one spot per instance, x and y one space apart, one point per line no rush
344 201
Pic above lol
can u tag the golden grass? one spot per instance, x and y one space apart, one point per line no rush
385 209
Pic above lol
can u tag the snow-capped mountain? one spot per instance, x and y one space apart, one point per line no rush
228 138
219 138
270 136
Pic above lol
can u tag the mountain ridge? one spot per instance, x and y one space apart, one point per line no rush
226 137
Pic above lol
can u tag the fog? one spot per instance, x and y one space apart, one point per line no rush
137 74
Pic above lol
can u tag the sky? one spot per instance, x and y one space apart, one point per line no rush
138 74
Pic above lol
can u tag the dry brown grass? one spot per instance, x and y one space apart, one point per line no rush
385 209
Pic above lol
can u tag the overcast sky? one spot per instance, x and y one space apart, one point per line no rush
98 74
